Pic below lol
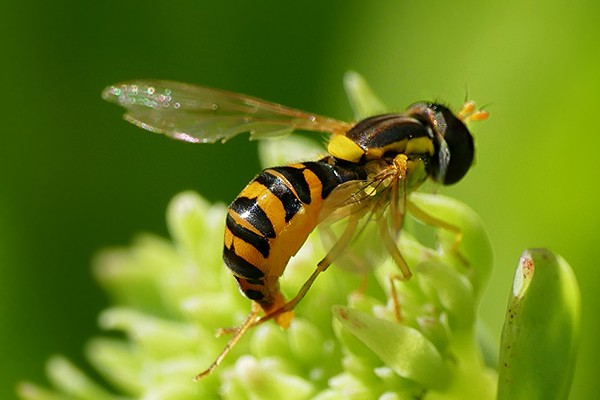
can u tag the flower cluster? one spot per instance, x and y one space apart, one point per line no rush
358 334
346 341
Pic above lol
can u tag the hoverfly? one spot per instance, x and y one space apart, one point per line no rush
371 167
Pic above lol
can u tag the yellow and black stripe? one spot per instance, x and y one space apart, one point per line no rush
429 132
270 220
384 136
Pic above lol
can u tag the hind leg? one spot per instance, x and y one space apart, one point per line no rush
340 245
237 335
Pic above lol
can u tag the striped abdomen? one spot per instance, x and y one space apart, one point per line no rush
270 220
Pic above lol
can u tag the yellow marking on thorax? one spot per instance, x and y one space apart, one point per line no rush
344 148
420 145
416 146
376 153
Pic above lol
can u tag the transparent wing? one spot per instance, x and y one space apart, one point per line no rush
369 196
357 205
349 198
203 115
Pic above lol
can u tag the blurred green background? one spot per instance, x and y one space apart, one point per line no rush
75 178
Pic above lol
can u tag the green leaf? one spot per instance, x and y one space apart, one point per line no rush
264 379
541 330
404 349
288 150
362 99
472 245
66 376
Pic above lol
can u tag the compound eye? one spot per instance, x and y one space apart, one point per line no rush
460 147
455 148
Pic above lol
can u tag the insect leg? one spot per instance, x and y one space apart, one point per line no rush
341 245
392 248
238 332
357 264
394 296
398 194
429 219
396 215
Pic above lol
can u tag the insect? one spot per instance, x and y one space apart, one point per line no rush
371 167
